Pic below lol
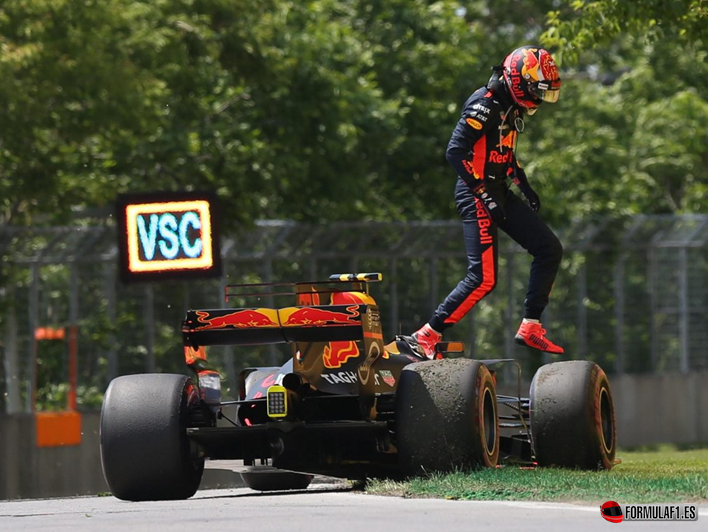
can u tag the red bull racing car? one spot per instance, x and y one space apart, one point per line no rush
345 405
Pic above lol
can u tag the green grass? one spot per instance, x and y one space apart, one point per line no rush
662 475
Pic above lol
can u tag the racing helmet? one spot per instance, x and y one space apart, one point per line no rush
612 511
531 76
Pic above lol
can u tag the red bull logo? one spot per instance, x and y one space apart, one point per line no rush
515 76
239 319
483 222
499 158
469 166
337 353
314 316
529 70
508 141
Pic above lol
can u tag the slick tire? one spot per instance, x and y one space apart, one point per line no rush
446 417
145 452
572 416
276 480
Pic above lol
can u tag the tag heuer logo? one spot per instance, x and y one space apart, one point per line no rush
387 377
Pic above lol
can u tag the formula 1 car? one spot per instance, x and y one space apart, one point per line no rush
345 405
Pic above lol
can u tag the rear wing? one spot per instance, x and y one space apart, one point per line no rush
326 311
253 326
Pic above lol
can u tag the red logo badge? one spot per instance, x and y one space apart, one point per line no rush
612 512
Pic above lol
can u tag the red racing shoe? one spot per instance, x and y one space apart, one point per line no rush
427 339
532 335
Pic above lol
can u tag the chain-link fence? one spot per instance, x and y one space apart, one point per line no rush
632 294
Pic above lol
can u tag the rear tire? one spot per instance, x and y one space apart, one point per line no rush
446 417
573 416
276 480
145 452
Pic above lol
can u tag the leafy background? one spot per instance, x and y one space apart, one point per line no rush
323 111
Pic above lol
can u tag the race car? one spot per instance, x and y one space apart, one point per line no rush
345 404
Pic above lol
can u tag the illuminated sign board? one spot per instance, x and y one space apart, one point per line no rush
168 235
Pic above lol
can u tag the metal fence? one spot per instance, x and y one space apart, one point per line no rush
632 294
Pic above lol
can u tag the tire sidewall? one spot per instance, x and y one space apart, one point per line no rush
440 414
145 451
566 416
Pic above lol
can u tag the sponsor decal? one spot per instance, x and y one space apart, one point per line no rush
496 157
616 513
611 512
387 377
312 316
470 169
365 368
478 116
516 77
337 353
530 69
239 319
508 141
481 108
474 123
346 377
483 222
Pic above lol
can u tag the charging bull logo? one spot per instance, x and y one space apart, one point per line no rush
240 319
313 316
337 353
530 68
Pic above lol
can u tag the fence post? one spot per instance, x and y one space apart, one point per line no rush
653 301
12 375
73 333
313 269
582 310
32 344
268 278
619 314
150 327
509 321
393 298
433 271
472 337
109 289
227 350
685 316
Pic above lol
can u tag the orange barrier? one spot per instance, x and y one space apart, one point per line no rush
56 429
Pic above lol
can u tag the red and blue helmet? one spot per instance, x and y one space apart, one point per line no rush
531 75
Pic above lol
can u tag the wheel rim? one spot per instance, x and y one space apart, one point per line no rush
606 424
490 422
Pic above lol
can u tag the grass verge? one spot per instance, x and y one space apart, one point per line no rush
663 475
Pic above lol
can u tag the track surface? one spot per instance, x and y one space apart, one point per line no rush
321 507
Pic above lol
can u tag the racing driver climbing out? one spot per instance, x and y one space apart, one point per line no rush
481 151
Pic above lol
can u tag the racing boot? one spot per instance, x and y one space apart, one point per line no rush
427 338
532 335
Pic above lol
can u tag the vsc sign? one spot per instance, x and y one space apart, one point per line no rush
168 235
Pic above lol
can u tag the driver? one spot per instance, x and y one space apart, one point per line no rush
481 151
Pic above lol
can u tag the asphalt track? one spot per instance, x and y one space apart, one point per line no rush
321 507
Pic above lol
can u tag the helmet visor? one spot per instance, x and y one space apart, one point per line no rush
547 91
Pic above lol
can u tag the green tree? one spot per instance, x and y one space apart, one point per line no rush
581 24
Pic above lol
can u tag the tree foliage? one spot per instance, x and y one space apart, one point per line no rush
339 109
575 25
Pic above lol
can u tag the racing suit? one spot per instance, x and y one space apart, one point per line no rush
481 150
